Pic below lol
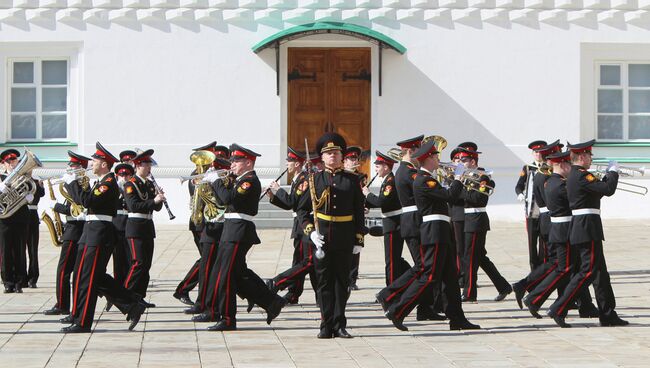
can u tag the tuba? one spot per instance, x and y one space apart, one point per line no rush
201 159
20 184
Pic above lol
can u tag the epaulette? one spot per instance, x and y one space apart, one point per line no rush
132 180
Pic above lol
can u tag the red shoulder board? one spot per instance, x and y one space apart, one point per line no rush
413 176
132 180
109 179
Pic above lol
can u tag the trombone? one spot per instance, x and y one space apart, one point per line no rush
625 171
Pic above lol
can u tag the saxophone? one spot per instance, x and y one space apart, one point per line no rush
54 226
76 209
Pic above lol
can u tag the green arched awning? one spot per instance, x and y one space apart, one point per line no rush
348 29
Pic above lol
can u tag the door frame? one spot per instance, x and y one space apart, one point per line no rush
333 41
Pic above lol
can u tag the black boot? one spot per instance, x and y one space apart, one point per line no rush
274 309
134 315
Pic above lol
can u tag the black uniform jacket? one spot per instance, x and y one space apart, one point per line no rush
388 201
20 217
120 220
539 197
585 191
240 195
289 201
101 199
139 194
73 228
345 199
558 206
477 222
410 221
432 199
33 214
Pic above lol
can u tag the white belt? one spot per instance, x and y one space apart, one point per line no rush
32 207
392 213
72 218
122 212
408 209
560 219
215 220
586 211
294 215
428 218
99 218
475 210
240 216
543 210
146 216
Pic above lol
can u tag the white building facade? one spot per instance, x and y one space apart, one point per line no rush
176 74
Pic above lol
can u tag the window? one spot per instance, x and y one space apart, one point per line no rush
623 101
38 99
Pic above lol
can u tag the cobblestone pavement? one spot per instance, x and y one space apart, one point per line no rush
167 337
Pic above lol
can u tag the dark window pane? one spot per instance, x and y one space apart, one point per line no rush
610 100
610 127
23 99
610 75
54 99
23 72
639 101
23 126
639 75
639 127
55 72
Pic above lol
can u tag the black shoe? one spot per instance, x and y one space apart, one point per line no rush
250 306
467 299
271 285
147 304
463 325
19 288
381 302
135 313
109 305
274 309
613 321
203 317
353 286
589 311
222 326
195 309
559 320
290 298
9 289
32 285
67 319
325 333
184 298
534 311
398 323
502 295
55 311
75 329
342 333
428 314
519 296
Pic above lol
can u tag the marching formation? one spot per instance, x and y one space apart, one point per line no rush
437 209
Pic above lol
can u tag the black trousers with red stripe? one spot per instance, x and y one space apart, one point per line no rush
438 267
67 261
532 232
32 251
191 279
231 277
12 255
121 257
475 257
539 273
138 277
396 265
333 272
206 267
293 278
593 269
91 281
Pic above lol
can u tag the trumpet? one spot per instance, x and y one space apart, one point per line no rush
221 173
472 180
56 179
624 185
626 171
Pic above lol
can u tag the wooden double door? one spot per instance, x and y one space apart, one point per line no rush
329 91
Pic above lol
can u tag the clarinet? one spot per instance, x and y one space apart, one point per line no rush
169 212
276 179
371 180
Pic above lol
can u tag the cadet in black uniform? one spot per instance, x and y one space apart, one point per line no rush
477 224
122 250
141 200
586 235
302 264
436 248
71 234
339 212
91 280
391 210
523 188
231 275
32 235
13 234
351 163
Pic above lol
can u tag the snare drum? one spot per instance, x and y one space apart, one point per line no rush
374 225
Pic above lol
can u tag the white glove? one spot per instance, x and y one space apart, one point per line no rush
613 166
29 197
521 197
3 187
357 249
210 177
274 187
69 178
460 169
52 205
317 239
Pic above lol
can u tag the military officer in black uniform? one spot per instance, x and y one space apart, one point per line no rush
523 188
340 215
141 200
231 275
586 235
391 210
71 234
302 264
13 234
101 201
32 235
351 158
122 250
477 224
436 248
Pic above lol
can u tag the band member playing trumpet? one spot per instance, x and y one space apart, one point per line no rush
141 200
13 233
391 210
302 264
526 195
351 159
70 241
122 250
477 224
586 235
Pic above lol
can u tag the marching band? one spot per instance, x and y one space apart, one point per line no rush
438 209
